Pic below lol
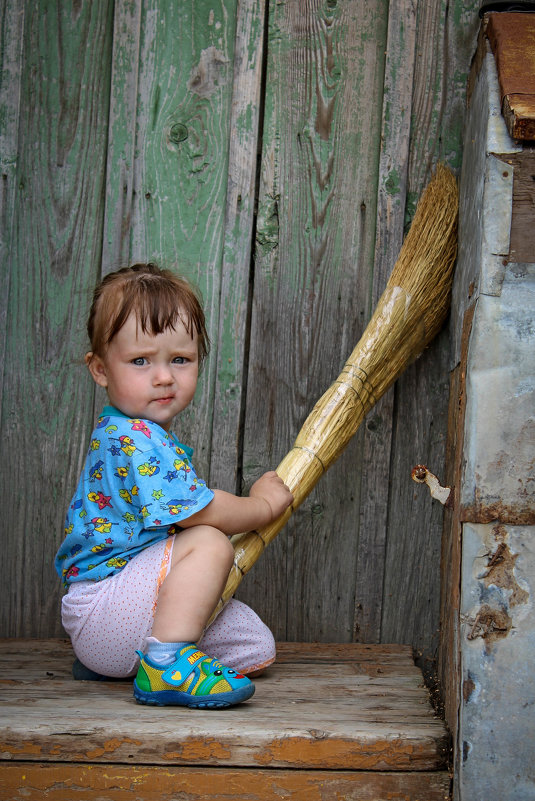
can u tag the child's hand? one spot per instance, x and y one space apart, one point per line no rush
274 491
232 514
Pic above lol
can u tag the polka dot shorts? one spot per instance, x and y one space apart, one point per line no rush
109 620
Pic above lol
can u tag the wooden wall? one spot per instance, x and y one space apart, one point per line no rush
273 153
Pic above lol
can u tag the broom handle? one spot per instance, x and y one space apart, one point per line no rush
350 397
399 330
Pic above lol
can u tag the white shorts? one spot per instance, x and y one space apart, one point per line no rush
109 620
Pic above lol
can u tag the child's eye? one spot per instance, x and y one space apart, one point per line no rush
139 362
179 360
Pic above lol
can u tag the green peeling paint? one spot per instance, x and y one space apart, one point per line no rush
392 182
267 227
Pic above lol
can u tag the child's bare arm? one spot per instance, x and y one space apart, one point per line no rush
232 514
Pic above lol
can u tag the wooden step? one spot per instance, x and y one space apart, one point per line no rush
350 721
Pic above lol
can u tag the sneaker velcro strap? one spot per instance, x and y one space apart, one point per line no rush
180 670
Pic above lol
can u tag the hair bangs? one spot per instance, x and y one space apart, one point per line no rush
158 298
156 312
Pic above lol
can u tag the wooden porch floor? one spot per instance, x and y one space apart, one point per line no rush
327 722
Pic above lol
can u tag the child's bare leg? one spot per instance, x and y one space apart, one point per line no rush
202 558
174 671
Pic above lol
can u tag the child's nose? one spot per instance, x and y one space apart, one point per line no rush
163 375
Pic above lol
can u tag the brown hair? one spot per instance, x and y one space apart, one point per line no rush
158 298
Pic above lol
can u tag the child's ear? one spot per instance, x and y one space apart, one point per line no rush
97 369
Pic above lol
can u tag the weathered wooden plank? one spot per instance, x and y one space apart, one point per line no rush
370 700
11 28
449 660
52 658
444 47
314 245
400 751
54 257
522 240
519 115
406 746
306 714
231 347
121 135
412 570
391 194
445 43
386 654
512 38
184 94
23 781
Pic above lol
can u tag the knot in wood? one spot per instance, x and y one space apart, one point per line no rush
178 133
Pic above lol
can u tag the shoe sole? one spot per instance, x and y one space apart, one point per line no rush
177 698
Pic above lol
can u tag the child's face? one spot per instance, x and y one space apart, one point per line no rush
152 377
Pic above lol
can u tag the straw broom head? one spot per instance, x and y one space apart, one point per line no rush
425 264
409 314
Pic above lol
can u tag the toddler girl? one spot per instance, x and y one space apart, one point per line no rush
146 553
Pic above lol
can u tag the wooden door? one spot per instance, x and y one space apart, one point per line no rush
272 152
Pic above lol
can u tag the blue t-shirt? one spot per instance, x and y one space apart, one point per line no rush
138 482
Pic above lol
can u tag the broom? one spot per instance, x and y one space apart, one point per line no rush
409 314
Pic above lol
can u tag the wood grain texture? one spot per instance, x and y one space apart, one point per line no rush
180 164
445 41
53 658
391 195
308 713
314 244
522 228
23 781
512 38
11 39
448 663
412 569
449 658
519 115
54 255
120 187
230 349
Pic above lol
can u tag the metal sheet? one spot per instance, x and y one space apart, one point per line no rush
497 725
499 475
494 747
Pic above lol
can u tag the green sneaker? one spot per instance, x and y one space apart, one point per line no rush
194 679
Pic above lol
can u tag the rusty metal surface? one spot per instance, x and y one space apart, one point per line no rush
495 490
497 725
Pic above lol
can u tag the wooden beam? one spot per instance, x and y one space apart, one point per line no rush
34 781
512 38
519 115
230 350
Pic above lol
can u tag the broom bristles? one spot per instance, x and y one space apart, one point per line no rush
424 267
409 314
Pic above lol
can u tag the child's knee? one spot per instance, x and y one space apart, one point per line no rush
215 544
240 639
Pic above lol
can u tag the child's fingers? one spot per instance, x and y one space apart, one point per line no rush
274 490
